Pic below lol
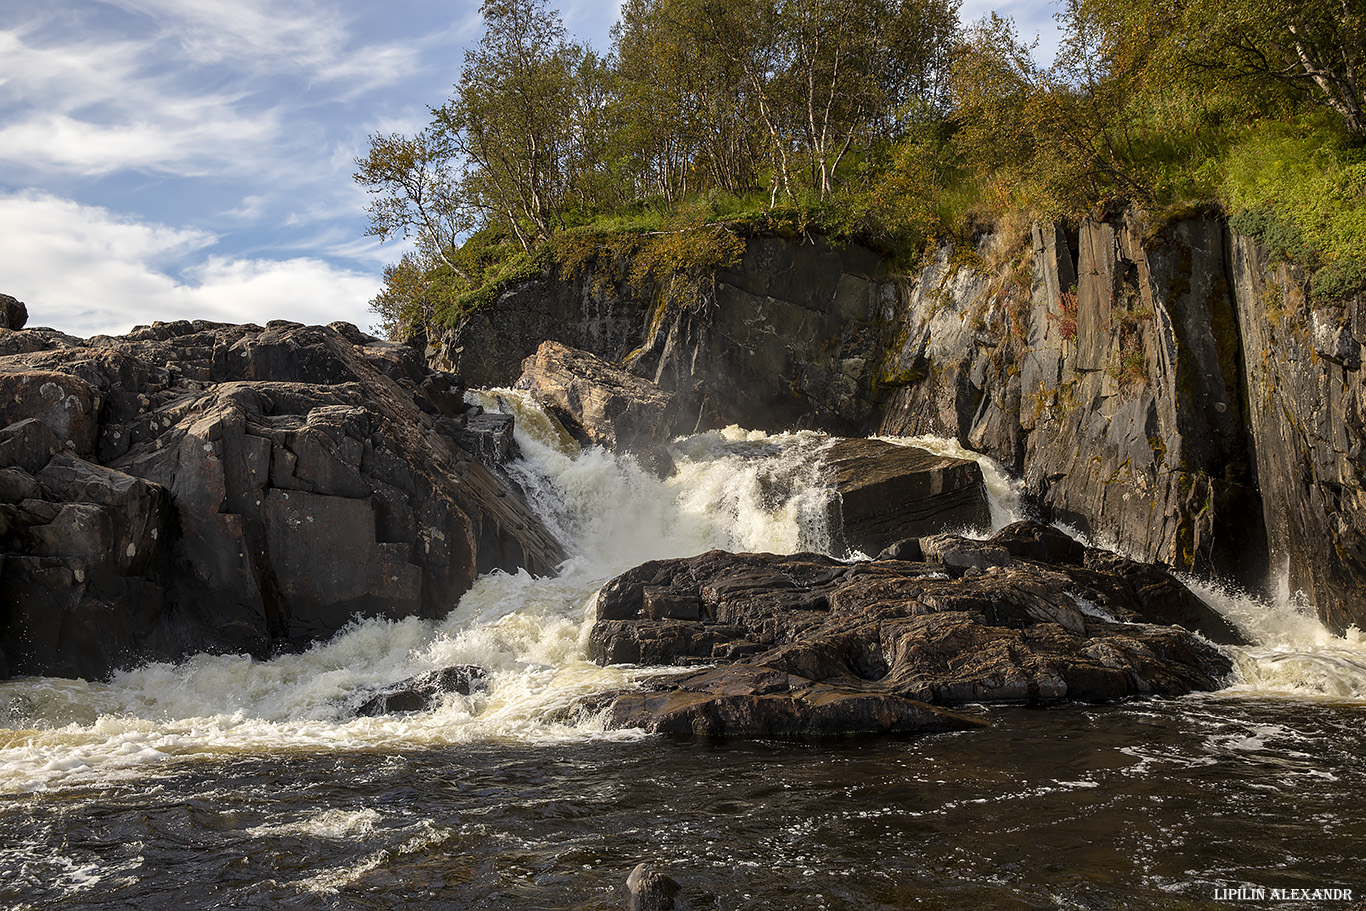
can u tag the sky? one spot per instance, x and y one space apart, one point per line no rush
192 159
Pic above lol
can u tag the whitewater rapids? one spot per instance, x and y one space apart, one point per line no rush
731 489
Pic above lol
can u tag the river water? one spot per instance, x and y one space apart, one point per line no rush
226 782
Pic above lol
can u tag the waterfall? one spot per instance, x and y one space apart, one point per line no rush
731 489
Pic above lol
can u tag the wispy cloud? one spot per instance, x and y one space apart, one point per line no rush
184 88
86 270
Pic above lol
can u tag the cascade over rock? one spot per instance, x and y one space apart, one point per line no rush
197 486
883 491
1169 391
806 645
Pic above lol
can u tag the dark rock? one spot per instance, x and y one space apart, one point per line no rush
743 701
598 402
650 890
1306 405
809 646
1115 390
13 313
29 444
286 483
907 549
889 492
81 569
487 435
67 405
417 694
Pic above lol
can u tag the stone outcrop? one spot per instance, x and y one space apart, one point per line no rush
791 337
198 486
806 645
1306 403
1166 390
1109 376
13 313
887 492
599 402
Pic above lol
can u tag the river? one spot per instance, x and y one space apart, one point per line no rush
228 782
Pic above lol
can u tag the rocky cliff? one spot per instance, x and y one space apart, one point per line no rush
198 486
1166 391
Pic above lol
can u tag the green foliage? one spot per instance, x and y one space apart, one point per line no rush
879 121
1299 188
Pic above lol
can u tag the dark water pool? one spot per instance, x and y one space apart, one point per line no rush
1144 805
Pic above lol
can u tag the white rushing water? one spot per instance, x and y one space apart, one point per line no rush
731 489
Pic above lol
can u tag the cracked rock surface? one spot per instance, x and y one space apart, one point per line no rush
199 486
804 645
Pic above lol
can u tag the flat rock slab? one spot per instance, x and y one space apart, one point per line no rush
888 492
805 645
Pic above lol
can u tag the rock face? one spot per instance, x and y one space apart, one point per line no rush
1166 389
806 645
1306 400
1110 379
197 486
791 337
888 492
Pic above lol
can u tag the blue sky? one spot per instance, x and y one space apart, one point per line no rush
181 159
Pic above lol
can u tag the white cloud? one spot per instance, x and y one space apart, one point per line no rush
213 86
85 270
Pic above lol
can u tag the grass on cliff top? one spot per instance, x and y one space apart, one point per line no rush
1297 184
1299 188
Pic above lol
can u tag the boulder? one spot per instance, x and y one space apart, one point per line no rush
804 645
650 890
84 546
417 694
13 313
289 477
889 492
599 402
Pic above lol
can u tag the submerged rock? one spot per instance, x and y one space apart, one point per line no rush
805 645
198 486
417 694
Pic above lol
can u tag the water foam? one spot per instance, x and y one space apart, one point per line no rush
732 489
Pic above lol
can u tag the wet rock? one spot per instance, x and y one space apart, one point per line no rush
650 890
809 646
598 402
300 485
486 434
889 492
759 702
417 694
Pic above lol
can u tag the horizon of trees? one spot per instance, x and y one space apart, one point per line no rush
880 118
